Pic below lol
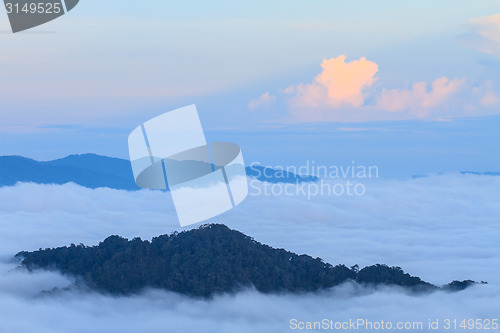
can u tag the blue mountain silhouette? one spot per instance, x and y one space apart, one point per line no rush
93 171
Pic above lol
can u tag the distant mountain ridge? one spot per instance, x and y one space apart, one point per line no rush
480 173
88 170
94 171
210 260
474 173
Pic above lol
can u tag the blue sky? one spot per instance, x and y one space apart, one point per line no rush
83 82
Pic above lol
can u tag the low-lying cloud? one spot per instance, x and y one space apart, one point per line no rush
439 228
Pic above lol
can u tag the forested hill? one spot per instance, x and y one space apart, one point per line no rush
206 261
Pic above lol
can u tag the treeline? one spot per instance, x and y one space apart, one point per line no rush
206 261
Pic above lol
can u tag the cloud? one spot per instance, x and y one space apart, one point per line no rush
158 311
484 34
489 99
440 228
345 92
340 83
485 95
264 101
419 99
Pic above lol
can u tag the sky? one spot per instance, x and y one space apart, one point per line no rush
410 86
439 228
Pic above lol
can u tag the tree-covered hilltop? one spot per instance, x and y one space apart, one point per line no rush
205 261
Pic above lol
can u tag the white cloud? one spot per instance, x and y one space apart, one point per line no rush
439 228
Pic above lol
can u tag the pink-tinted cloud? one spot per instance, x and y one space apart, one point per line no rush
488 27
262 102
484 35
340 83
419 99
339 94
486 95
490 99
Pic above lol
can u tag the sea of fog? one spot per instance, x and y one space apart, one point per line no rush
440 228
